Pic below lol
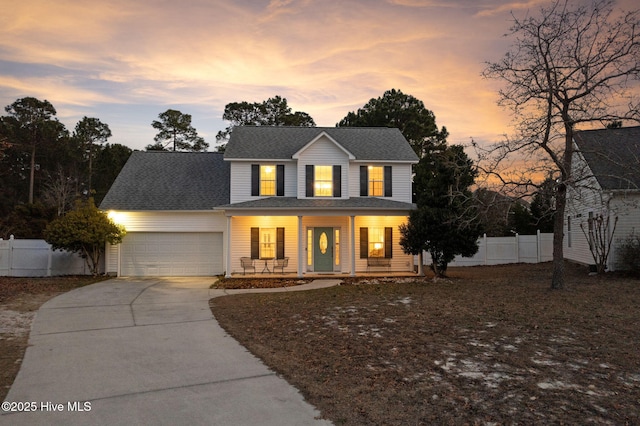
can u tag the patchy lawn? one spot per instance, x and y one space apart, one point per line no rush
489 345
20 298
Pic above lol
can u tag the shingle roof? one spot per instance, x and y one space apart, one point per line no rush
158 180
282 142
613 156
354 203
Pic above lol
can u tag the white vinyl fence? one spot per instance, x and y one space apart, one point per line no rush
501 250
35 258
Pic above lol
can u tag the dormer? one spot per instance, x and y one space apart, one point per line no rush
322 167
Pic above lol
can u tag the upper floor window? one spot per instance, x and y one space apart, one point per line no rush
267 180
323 181
375 181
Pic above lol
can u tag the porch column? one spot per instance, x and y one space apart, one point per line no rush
301 256
228 250
352 226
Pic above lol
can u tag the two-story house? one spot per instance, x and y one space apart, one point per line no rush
606 169
328 200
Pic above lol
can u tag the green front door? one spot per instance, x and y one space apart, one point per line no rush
323 249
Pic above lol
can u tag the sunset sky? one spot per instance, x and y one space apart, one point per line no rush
125 62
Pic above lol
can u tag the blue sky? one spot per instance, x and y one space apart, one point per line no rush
126 62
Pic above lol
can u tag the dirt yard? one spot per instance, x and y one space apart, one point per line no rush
488 346
20 298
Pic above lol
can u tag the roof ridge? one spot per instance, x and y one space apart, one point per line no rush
608 129
313 127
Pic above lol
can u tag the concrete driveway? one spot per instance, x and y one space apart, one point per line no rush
146 351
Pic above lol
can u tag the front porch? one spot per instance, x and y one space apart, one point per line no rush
315 245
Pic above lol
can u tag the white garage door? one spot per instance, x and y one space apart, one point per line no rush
171 254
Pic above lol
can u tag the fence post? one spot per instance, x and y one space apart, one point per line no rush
49 261
11 241
538 246
517 248
486 248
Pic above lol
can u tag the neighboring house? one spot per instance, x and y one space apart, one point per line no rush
606 169
329 200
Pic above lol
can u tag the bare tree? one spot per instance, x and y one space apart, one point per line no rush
59 191
599 235
569 66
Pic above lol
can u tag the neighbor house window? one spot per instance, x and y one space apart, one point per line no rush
375 181
267 180
336 243
376 242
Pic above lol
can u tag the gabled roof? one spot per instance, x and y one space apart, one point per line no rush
320 136
160 180
613 155
282 142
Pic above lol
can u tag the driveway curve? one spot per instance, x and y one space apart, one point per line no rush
146 351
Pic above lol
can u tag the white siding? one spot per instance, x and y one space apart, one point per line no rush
589 198
323 153
579 204
400 260
627 207
241 238
167 223
582 200
240 189
400 179
171 221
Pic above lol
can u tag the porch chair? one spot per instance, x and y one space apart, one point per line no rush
247 263
280 264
